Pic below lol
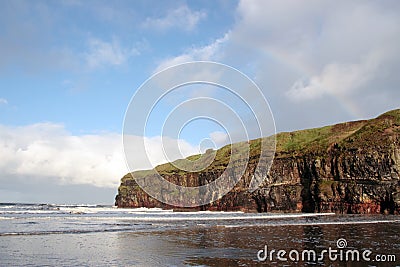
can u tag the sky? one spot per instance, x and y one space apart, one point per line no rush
69 68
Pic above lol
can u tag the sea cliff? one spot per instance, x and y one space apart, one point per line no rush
351 167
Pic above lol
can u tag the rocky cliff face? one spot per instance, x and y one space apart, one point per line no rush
351 167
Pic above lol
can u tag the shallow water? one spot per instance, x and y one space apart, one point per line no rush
33 235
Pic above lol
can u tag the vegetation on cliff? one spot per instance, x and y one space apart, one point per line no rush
350 167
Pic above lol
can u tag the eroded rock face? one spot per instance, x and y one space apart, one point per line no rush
346 168
340 182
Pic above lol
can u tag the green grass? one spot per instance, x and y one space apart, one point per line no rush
300 140
316 141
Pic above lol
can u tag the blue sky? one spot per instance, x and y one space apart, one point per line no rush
68 70
79 63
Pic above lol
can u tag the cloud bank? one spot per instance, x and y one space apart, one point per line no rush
47 151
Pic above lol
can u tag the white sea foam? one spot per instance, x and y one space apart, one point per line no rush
6 207
6 218
144 210
209 212
216 216
28 211
109 210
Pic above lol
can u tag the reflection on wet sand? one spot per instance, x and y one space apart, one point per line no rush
225 246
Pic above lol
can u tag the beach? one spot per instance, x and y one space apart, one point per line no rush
79 235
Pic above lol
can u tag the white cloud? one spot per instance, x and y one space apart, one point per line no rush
337 79
336 47
209 52
342 54
162 150
182 17
219 138
3 101
46 151
151 151
101 53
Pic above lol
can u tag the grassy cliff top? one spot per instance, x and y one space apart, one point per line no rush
355 134
318 140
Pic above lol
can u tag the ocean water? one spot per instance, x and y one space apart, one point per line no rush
90 235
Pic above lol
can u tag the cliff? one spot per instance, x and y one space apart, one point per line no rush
351 167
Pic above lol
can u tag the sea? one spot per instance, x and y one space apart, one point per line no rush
101 235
